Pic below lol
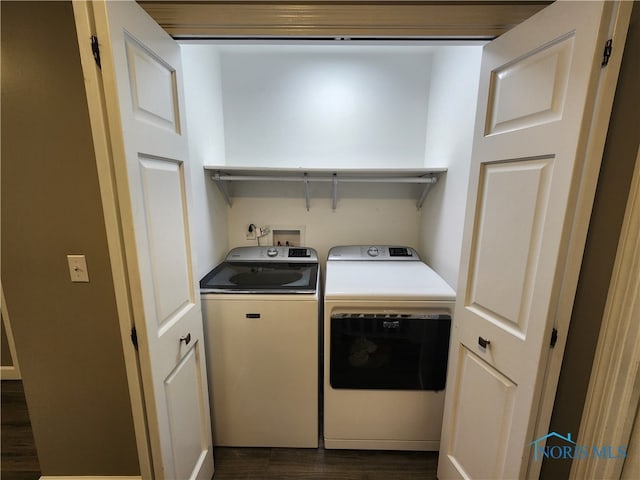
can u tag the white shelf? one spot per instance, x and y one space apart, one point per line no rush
222 175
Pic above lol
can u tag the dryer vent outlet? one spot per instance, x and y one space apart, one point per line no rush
289 238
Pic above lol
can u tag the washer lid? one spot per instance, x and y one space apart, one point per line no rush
385 280
261 277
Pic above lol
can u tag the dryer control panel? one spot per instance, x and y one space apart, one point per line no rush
373 252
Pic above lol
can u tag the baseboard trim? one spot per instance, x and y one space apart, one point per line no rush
10 373
69 477
360 444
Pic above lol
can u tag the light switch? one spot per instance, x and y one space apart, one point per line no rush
78 268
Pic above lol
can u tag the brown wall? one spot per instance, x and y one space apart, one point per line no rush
66 334
602 242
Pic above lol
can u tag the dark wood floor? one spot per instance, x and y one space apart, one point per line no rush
320 464
20 460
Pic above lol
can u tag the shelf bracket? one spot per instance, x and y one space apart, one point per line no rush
427 186
222 186
306 190
335 191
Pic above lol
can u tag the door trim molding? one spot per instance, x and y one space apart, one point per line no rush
9 372
614 390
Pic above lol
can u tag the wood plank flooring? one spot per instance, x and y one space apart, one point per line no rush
320 464
19 460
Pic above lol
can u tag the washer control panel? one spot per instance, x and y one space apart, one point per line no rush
373 251
273 254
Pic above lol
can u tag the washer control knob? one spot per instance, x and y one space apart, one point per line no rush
272 252
373 251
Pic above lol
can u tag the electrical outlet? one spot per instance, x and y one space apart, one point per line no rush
251 232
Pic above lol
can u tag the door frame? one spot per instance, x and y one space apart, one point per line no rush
104 161
86 28
614 389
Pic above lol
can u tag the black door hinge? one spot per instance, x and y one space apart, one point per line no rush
95 49
607 52
134 338
554 337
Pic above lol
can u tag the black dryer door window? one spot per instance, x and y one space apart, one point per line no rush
389 352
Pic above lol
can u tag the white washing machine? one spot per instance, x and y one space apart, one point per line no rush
260 309
387 320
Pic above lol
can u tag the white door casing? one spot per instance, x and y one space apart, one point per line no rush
611 413
8 372
141 74
537 92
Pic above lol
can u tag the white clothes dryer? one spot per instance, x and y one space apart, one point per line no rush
387 320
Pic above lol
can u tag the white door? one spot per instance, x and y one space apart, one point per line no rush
537 92
141 71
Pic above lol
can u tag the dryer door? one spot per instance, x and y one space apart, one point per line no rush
389 351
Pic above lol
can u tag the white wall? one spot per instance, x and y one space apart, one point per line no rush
402 110
203 106
325 106
452 107
364 214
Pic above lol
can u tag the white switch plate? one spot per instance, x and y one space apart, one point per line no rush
78 268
